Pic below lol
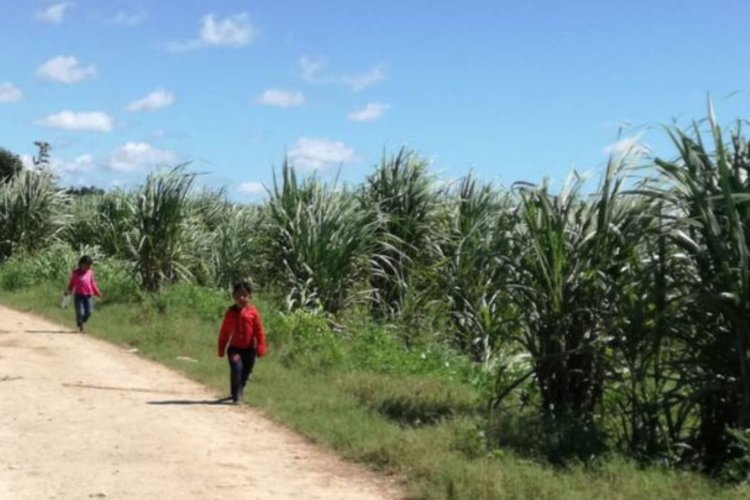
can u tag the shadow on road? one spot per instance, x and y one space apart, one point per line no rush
56 332
111 388
181 402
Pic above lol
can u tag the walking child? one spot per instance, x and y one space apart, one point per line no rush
242 338
83 287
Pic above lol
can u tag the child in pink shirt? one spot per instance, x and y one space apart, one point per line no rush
83 286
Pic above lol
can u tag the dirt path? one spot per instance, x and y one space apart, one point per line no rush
81 418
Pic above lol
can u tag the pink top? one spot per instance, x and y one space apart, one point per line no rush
83 282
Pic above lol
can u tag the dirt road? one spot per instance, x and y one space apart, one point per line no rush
81 418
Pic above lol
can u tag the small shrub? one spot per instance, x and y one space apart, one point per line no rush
15 275
117 281
381 348
207 303
469 438
737 470
305 339
413 401
549 440
52 264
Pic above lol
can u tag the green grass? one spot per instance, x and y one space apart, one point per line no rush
409 421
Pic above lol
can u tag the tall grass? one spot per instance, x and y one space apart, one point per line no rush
474 271
401 195
709 220
236 246
102 220
33 212
158 242
565 289
320 241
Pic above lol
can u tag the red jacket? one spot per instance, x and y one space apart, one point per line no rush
242 329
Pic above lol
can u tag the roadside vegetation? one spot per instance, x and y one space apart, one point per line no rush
585 342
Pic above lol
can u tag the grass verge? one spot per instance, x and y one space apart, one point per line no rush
415 425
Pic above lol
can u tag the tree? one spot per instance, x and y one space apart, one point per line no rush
10 164
84 191
42 159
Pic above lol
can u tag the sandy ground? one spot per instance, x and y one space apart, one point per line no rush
81 418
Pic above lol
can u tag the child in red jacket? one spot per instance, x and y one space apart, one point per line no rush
242 338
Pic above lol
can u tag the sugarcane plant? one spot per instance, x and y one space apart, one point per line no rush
320 241
33 212
158 244
708 193
401 197
572 252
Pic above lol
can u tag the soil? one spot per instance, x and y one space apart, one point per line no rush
83 418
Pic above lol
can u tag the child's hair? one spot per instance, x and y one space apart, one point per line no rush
85 260
246 286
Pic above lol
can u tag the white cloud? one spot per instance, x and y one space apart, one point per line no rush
367 79
65 69
372 111
281 98
27 161
314 153
134 156
628 146
159 98
82 163
123 18
252 188
54 14
10 93
87 121
232 31
168 134
313 70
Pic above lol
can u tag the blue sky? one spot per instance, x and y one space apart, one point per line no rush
511 90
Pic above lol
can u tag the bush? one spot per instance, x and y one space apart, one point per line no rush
411 400
207 303
32 212
381 348
737 469
117 281
533 436
319 242
15 275
305 339
50 265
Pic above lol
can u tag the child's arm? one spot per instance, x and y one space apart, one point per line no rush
260 337
70 283
97 292
226 327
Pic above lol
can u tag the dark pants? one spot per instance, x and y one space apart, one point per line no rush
239 369
84 305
